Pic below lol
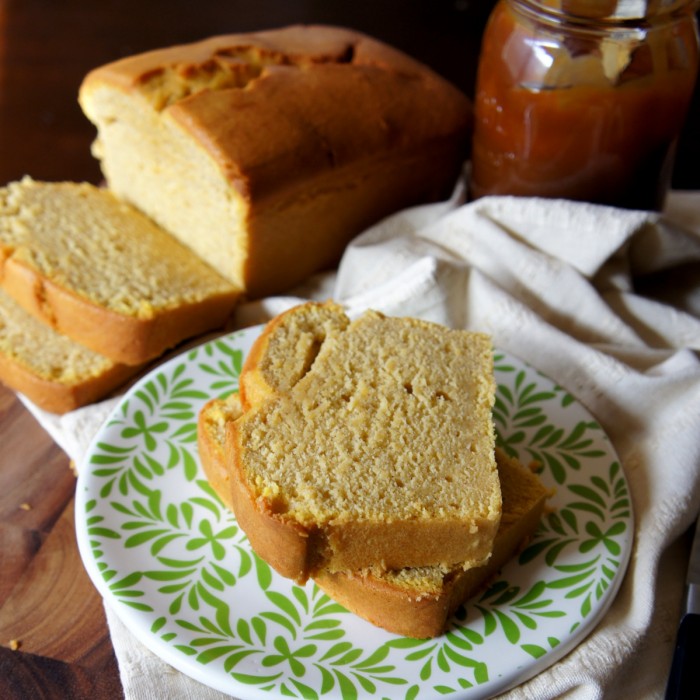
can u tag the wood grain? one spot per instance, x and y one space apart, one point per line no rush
29 677
48 606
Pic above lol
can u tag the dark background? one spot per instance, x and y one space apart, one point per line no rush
47 46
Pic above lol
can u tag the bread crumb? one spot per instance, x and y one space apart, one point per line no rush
25 506
535 466
73 467
15 644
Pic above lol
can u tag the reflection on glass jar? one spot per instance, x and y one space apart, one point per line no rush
583 100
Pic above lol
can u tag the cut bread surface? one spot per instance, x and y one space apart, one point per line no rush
415 602
99 271
382 452
56 373
284 353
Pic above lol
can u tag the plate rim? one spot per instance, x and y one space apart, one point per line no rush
131 619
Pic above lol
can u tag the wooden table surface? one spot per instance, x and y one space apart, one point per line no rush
49 609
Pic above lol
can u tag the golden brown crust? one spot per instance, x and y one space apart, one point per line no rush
319 131
385 605
124 339
283 544
310 43
319 219
59 397
255 385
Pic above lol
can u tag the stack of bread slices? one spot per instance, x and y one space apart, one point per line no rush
361 454
91 290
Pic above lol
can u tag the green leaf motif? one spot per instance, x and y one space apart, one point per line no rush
144 430
520 405
450 656
224 373
210 538
560 451
297 620
537 651
263 572
163 411
287 656
224 608
193 581
506 608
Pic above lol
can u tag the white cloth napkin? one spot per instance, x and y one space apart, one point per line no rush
560 285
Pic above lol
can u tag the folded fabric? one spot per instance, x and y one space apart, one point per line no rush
581 293
510 267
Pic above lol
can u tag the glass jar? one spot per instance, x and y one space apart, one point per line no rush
583 99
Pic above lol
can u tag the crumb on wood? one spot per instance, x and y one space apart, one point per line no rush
15 644
25 506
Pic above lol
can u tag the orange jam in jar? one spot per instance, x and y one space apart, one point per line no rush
583 99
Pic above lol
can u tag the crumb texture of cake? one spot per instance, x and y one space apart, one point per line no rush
383 452
418 601
100 271
285 351
267 152
56 373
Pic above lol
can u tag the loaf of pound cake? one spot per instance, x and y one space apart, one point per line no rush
414 602
265 153
381 453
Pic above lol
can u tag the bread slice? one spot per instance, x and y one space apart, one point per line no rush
414 602
284 352
418 602
382 453
54 372
102 273
267 152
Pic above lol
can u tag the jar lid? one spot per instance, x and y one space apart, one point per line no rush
614 9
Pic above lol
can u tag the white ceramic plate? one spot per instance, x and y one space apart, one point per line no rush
179 572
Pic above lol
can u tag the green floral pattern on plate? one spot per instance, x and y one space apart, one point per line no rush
173 563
